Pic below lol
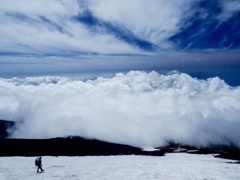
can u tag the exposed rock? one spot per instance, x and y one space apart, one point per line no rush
6 128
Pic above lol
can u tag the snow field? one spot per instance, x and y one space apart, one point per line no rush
178 166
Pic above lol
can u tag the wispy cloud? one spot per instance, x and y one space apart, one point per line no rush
229 9
112 26
213 25
48 27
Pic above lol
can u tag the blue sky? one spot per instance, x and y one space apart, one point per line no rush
199 37
45 43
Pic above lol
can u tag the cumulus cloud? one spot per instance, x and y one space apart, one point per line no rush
138 108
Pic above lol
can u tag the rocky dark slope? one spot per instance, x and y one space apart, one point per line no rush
77 146
71 146
6 128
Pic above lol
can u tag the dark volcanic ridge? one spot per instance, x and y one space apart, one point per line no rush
78 146
70 146
6 128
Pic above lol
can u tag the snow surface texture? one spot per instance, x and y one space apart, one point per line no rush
138 108
177 166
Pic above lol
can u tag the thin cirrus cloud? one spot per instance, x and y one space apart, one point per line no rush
115 27
213 26
47 28
138 108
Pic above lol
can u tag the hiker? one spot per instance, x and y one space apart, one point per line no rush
38 163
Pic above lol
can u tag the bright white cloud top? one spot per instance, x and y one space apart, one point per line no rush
138 108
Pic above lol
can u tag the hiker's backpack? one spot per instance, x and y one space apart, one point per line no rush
37 162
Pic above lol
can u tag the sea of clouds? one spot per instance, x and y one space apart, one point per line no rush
138 108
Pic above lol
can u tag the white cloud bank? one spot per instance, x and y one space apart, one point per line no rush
137 108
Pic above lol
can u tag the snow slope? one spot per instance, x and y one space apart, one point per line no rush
176 166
